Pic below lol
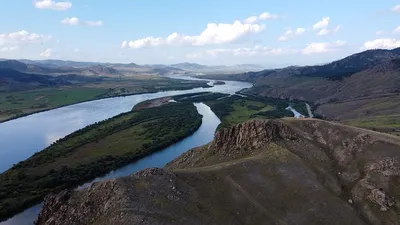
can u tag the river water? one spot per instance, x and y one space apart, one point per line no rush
21 138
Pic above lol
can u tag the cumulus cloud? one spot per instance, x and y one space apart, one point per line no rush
289 33
321 24
382 43
70 21
397 30
52 5
47 53
14 40
322 47
326 31
73 21
262 16
396 8
323 28
215 33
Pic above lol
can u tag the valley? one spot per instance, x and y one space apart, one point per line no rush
155 124
199 112
14 104
356 90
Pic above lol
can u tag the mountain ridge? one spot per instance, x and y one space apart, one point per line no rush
259 172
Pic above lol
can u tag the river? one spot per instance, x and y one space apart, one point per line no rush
21 138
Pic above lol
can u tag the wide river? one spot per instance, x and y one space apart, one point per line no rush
21 138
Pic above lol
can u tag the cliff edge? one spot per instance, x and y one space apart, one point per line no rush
260 172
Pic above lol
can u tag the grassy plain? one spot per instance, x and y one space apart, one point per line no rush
21 103
236 109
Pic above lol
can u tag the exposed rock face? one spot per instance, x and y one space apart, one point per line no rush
259 172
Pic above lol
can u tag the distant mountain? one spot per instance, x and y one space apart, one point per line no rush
396 51
11 79
13 64
55 63
335 70
189 66
103 70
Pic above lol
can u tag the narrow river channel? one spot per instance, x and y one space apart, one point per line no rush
22 137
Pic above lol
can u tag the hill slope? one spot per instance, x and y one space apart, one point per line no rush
335 70
11 80
278 172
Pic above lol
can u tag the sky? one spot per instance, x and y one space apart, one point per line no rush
212 32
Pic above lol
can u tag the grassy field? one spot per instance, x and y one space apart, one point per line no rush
387 123
16 104
235 109
94 151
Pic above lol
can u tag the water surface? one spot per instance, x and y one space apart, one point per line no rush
22 137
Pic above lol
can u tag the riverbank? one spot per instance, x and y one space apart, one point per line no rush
93 151
14 105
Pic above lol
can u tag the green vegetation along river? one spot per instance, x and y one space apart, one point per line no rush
42 129
94 151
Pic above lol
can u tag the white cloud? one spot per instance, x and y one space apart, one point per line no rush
396 8
47 53
323 27
326 31
49 4
16 39
397 30
321 24
267 16
289 33
215 33
124 44
322 47
262 16
75 21
385 43
70 21
251 19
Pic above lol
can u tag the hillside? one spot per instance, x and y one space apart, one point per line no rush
63 67
12 80
333 71
362 89
278 172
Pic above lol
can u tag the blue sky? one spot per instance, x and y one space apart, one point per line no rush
271 33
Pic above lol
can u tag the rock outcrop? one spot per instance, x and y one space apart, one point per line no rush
259 172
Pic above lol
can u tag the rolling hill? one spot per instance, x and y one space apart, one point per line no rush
361 89
13 80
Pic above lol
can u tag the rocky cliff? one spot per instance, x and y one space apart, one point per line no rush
259 172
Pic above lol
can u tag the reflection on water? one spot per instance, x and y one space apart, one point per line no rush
22 137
